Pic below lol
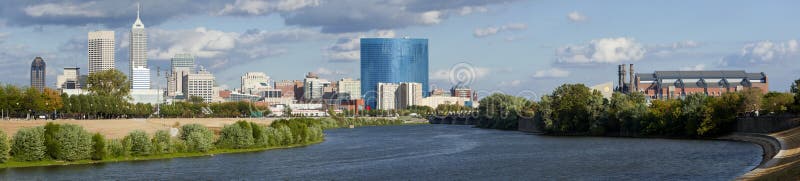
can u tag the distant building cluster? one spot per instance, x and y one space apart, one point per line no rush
679 84
394 75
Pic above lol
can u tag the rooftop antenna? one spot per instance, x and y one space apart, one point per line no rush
138 6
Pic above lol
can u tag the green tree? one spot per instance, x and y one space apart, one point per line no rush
576 109
751 99
109 83
196 99
238 135
777 102
796 90
500 111
72 143
32 101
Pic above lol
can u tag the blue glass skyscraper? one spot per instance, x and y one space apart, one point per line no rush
392 60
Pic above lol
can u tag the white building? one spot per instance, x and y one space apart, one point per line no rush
349 89
606 89
140 78
387 96
101 51
138 54
254 82
70 79
409 94
434 101
147 96
199 84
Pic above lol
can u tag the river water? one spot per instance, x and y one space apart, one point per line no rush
439 152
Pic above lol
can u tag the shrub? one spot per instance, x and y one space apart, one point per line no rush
178 146
259 136
189 128
273 137
200 141
161 142
71 142
137 143
99 149
29 144
50 142
4 147
239 135
116 148
286 135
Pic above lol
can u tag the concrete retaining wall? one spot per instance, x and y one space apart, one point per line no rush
766 124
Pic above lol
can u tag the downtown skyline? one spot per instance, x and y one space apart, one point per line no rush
513 45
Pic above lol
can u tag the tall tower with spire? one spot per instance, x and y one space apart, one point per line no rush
138 54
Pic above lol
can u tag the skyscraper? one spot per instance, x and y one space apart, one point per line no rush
101 51
38 73
314 87
199 84
409 94
138 53
392 60
387 96
182 64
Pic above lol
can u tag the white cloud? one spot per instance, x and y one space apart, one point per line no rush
605 50
447 74
487 31
694 68
262 7
666 50
551 73
329 72
65 9
201 42
348 49
512 83
431 17
763 52
466 10
576 16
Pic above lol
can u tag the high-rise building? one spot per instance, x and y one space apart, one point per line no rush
392 60
314 87
254 82
199 84
38 73
387 96
462 91
101 51
138 54
141 78
182 64
349 89
409 94
70 79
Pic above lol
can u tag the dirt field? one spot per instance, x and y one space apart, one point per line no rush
118 128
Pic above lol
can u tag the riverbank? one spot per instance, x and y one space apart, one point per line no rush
784 146
18 164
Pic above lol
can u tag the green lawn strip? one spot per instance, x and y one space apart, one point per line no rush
17 164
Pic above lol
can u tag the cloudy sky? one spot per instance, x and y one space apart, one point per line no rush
512 46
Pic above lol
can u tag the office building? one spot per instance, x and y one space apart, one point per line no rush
254 82
181 65
69 79
138 55
290 88
271 93
387 96
464 92
141 78
101 51
199 84
392 60
348 89
38 73
314 87
409 94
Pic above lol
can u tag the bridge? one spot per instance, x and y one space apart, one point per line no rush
457 119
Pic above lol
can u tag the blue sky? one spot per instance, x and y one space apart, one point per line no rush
517 47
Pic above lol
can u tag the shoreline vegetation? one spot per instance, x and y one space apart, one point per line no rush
68 144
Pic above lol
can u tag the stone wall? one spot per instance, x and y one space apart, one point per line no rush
767 124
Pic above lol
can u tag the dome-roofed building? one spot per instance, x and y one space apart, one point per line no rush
38 73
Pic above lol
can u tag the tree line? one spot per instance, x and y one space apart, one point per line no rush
574 109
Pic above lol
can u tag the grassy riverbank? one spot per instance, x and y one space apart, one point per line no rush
18 164
46 145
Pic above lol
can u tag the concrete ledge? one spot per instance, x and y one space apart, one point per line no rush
784 164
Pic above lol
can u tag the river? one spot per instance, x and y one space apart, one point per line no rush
439 152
